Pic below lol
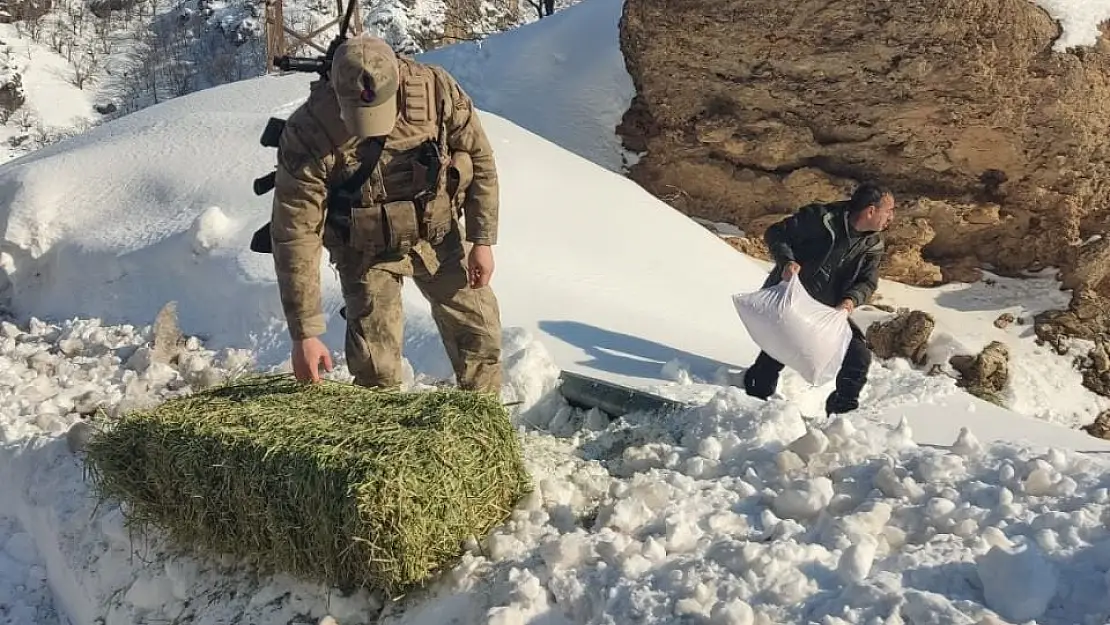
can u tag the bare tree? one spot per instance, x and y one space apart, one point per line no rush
30 22
42 135
58 38
84 67
543 7
76 12
26 120
102 35
151 59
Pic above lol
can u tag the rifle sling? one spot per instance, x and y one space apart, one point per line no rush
351 186
342 197
338 212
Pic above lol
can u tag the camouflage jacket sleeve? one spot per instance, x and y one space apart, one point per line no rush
465 134
297 225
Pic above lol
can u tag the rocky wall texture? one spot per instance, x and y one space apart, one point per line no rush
994 144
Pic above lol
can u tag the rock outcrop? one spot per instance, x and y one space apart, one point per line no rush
1100 427
987 374
1096 368
1087 317
994 143
906 335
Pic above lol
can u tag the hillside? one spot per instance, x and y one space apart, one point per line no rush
986 118
67 65
962 115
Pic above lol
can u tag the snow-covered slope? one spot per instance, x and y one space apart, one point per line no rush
733 512
169 214
79 63
530 76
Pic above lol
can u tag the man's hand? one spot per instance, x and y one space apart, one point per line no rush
790 270
480 265
847 305
308 355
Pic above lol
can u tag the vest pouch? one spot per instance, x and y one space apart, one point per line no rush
439 218
367 233
402 226
459 176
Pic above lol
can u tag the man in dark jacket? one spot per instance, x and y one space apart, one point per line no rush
835 250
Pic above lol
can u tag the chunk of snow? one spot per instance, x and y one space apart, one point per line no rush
1017 584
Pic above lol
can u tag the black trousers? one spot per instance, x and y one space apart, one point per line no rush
762 378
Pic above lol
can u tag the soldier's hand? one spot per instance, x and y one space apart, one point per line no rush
308 355
790 270
847 305
479 265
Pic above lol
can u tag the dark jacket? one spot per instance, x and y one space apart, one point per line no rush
837 262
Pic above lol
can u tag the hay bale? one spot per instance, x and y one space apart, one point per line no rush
344 485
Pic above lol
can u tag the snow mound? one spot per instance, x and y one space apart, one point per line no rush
562 77
737 511
61 554
1079 21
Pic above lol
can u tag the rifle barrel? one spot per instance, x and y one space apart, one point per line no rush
299 64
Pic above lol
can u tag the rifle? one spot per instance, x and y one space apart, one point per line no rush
271 135
322 64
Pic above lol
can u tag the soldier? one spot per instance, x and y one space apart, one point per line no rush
835 250
434 164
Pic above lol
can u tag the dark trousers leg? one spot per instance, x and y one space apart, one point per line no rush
762 378
852 376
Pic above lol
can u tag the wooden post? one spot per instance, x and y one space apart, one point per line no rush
275 33
277 29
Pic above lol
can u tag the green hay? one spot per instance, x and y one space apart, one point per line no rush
337 483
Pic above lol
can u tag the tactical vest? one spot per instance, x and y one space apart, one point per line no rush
406 198
412 193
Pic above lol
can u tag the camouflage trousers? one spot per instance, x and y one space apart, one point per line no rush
469 320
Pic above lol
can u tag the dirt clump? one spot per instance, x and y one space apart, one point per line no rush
1004 321
1100 427
985 375
906 335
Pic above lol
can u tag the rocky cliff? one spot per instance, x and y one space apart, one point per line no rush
995 144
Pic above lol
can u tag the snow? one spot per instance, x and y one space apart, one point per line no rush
1079 21
397 21
775 520
54 105
574 95
926 506
1044 384
47 81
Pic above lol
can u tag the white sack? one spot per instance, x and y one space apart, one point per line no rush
796 330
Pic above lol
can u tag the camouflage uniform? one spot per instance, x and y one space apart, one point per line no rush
390 238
